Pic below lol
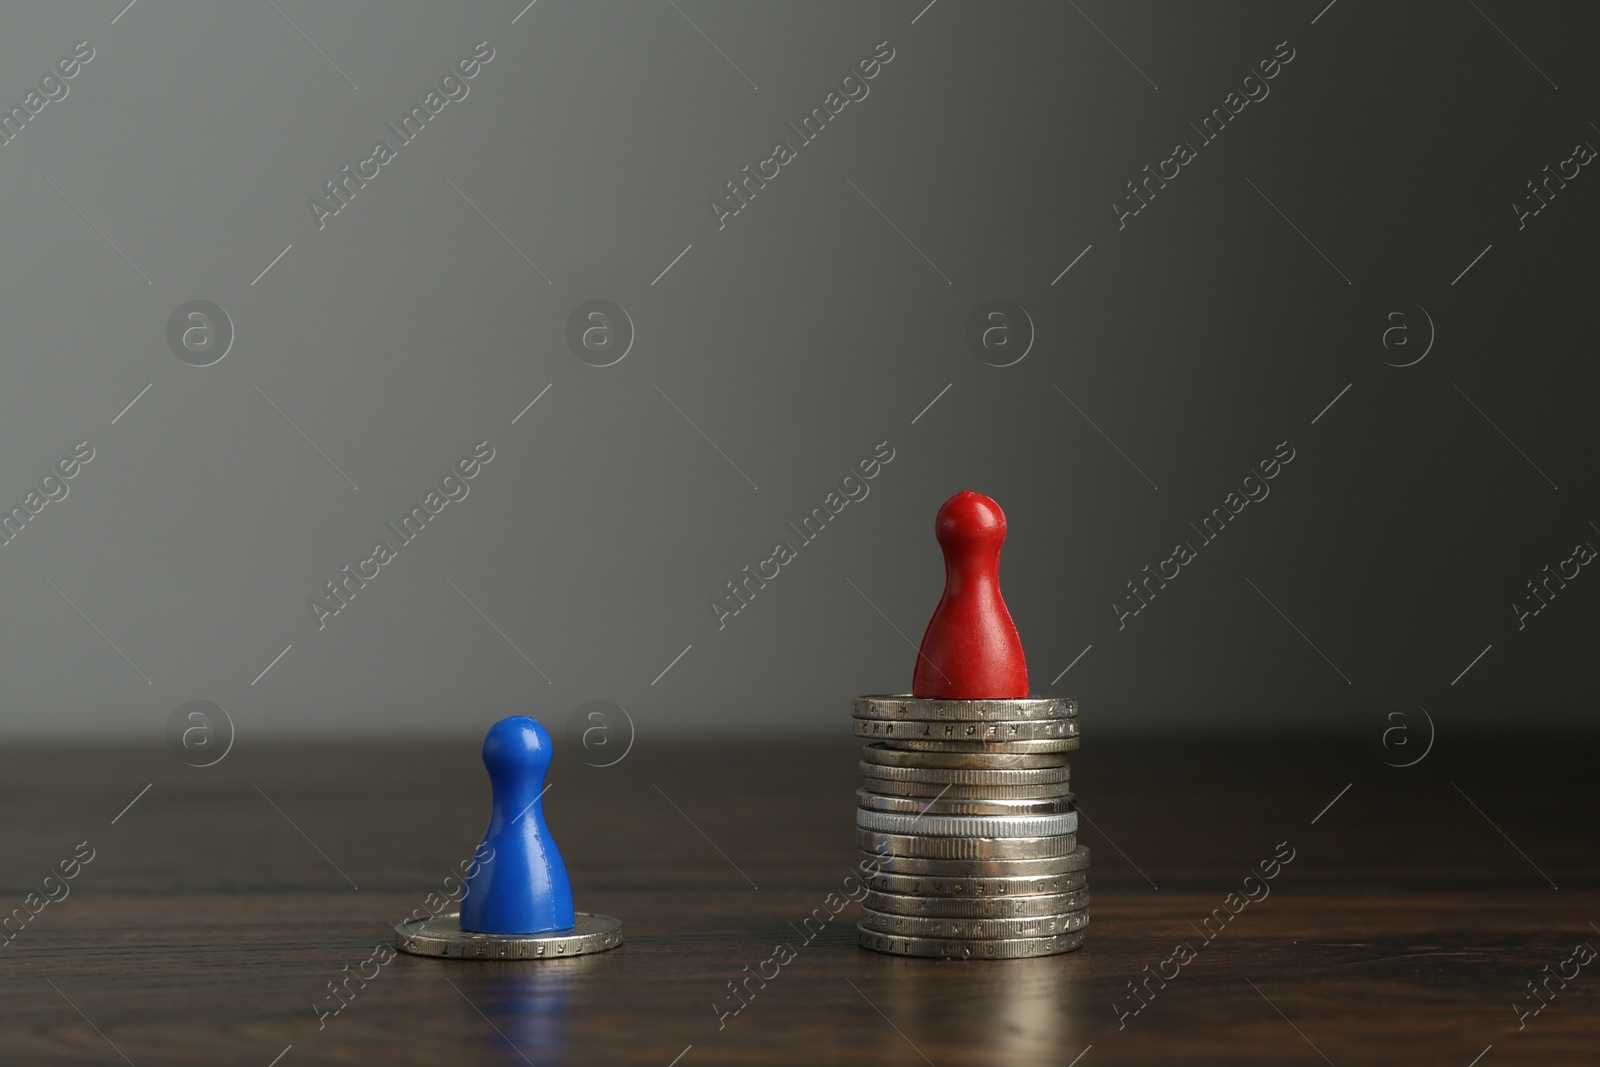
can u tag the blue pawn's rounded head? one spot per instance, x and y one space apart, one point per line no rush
521 884
517 748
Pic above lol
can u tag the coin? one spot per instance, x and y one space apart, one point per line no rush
929 885
885 756
968 825
968 775
933 790
973 929
1006 907
1049 866
948 948
1051 744
946 806
904 706
441 935
945 730
921 846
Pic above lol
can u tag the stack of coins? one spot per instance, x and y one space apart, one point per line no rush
967 827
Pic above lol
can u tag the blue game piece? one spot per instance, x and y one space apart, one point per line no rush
522 888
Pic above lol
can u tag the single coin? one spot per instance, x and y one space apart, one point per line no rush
968 825
936 791
945 730
441 935
883 755
1006 907
1053 744
905 706
968 929
967 775
945 806
973 929
947 948
1049 866
992 731
927 885
921 846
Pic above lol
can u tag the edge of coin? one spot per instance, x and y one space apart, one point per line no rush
891 706
939 948
968 929
867 800
412 937
1051 866
977 887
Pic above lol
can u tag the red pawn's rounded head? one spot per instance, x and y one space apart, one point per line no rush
971 650
970 519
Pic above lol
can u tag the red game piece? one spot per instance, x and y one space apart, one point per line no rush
971 650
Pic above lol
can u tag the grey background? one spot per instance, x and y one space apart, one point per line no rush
796 339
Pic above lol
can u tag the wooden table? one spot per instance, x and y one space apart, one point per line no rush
207 924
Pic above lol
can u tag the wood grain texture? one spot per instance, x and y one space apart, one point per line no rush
206 926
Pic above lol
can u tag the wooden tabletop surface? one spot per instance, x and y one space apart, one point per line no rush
214 911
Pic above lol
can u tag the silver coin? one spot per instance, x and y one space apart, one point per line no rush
968 825
945 806
967 775
943 730
885 756
934 790
920 846
1007 907
973 929
1052 744
1049 866
905 706
442 935
964 929
948 948
928 885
